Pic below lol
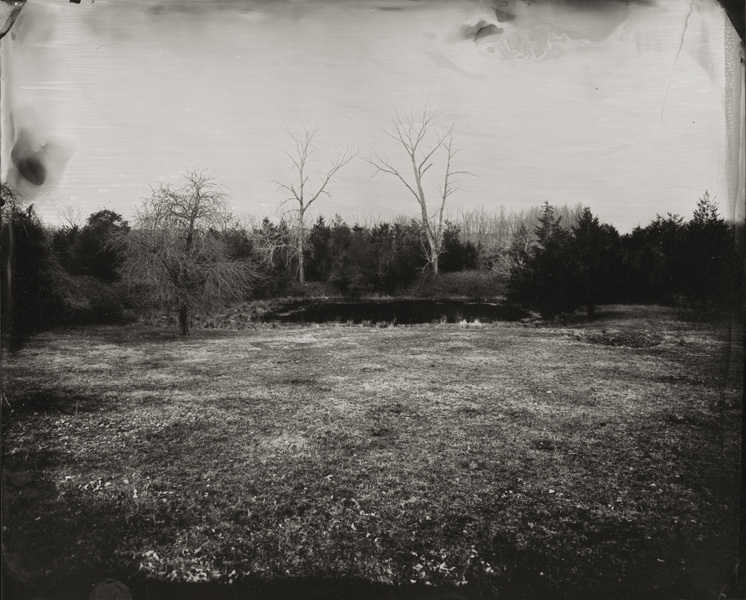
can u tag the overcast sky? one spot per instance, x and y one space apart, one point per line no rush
618 106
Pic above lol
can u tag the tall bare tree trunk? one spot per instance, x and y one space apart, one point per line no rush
433 245
411 132
301 235
299 194
432 252
183 320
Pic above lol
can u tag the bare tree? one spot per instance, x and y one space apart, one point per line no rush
72 218
422 140
506 259
175 252
304 190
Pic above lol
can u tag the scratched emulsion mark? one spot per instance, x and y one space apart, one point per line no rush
148 87
32 159
543 29
735 118
678 53
9 11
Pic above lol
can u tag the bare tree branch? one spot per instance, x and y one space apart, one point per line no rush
298 189
412 133
384 166
72 217
176 252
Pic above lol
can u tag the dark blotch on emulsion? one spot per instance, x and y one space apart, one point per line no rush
28 159
480 30
488 30
503 17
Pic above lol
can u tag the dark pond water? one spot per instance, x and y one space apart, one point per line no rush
403 312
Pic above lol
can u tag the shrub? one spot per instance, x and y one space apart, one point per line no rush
101 303
31 302
469 284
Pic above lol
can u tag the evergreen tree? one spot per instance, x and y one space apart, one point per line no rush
546 280
37 293
98 257
589 249
655 268
710 255
457 255
318 259
28 295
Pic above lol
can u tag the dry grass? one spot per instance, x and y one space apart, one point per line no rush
521 460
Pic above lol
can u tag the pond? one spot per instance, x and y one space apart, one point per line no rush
403 312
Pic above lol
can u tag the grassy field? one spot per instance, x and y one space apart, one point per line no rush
495 459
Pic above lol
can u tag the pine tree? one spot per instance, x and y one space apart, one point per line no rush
708 252
589 245
543 275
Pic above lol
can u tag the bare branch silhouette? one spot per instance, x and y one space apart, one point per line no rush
422 140
302 191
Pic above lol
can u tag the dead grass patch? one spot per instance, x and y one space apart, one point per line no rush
516 459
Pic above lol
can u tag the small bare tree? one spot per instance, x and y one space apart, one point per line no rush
72 218
174 252
506 260
303 191
420 137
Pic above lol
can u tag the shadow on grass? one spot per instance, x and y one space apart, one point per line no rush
78 587
108 522
54 401
138 334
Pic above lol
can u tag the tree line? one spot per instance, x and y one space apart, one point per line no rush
185 251
696 263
